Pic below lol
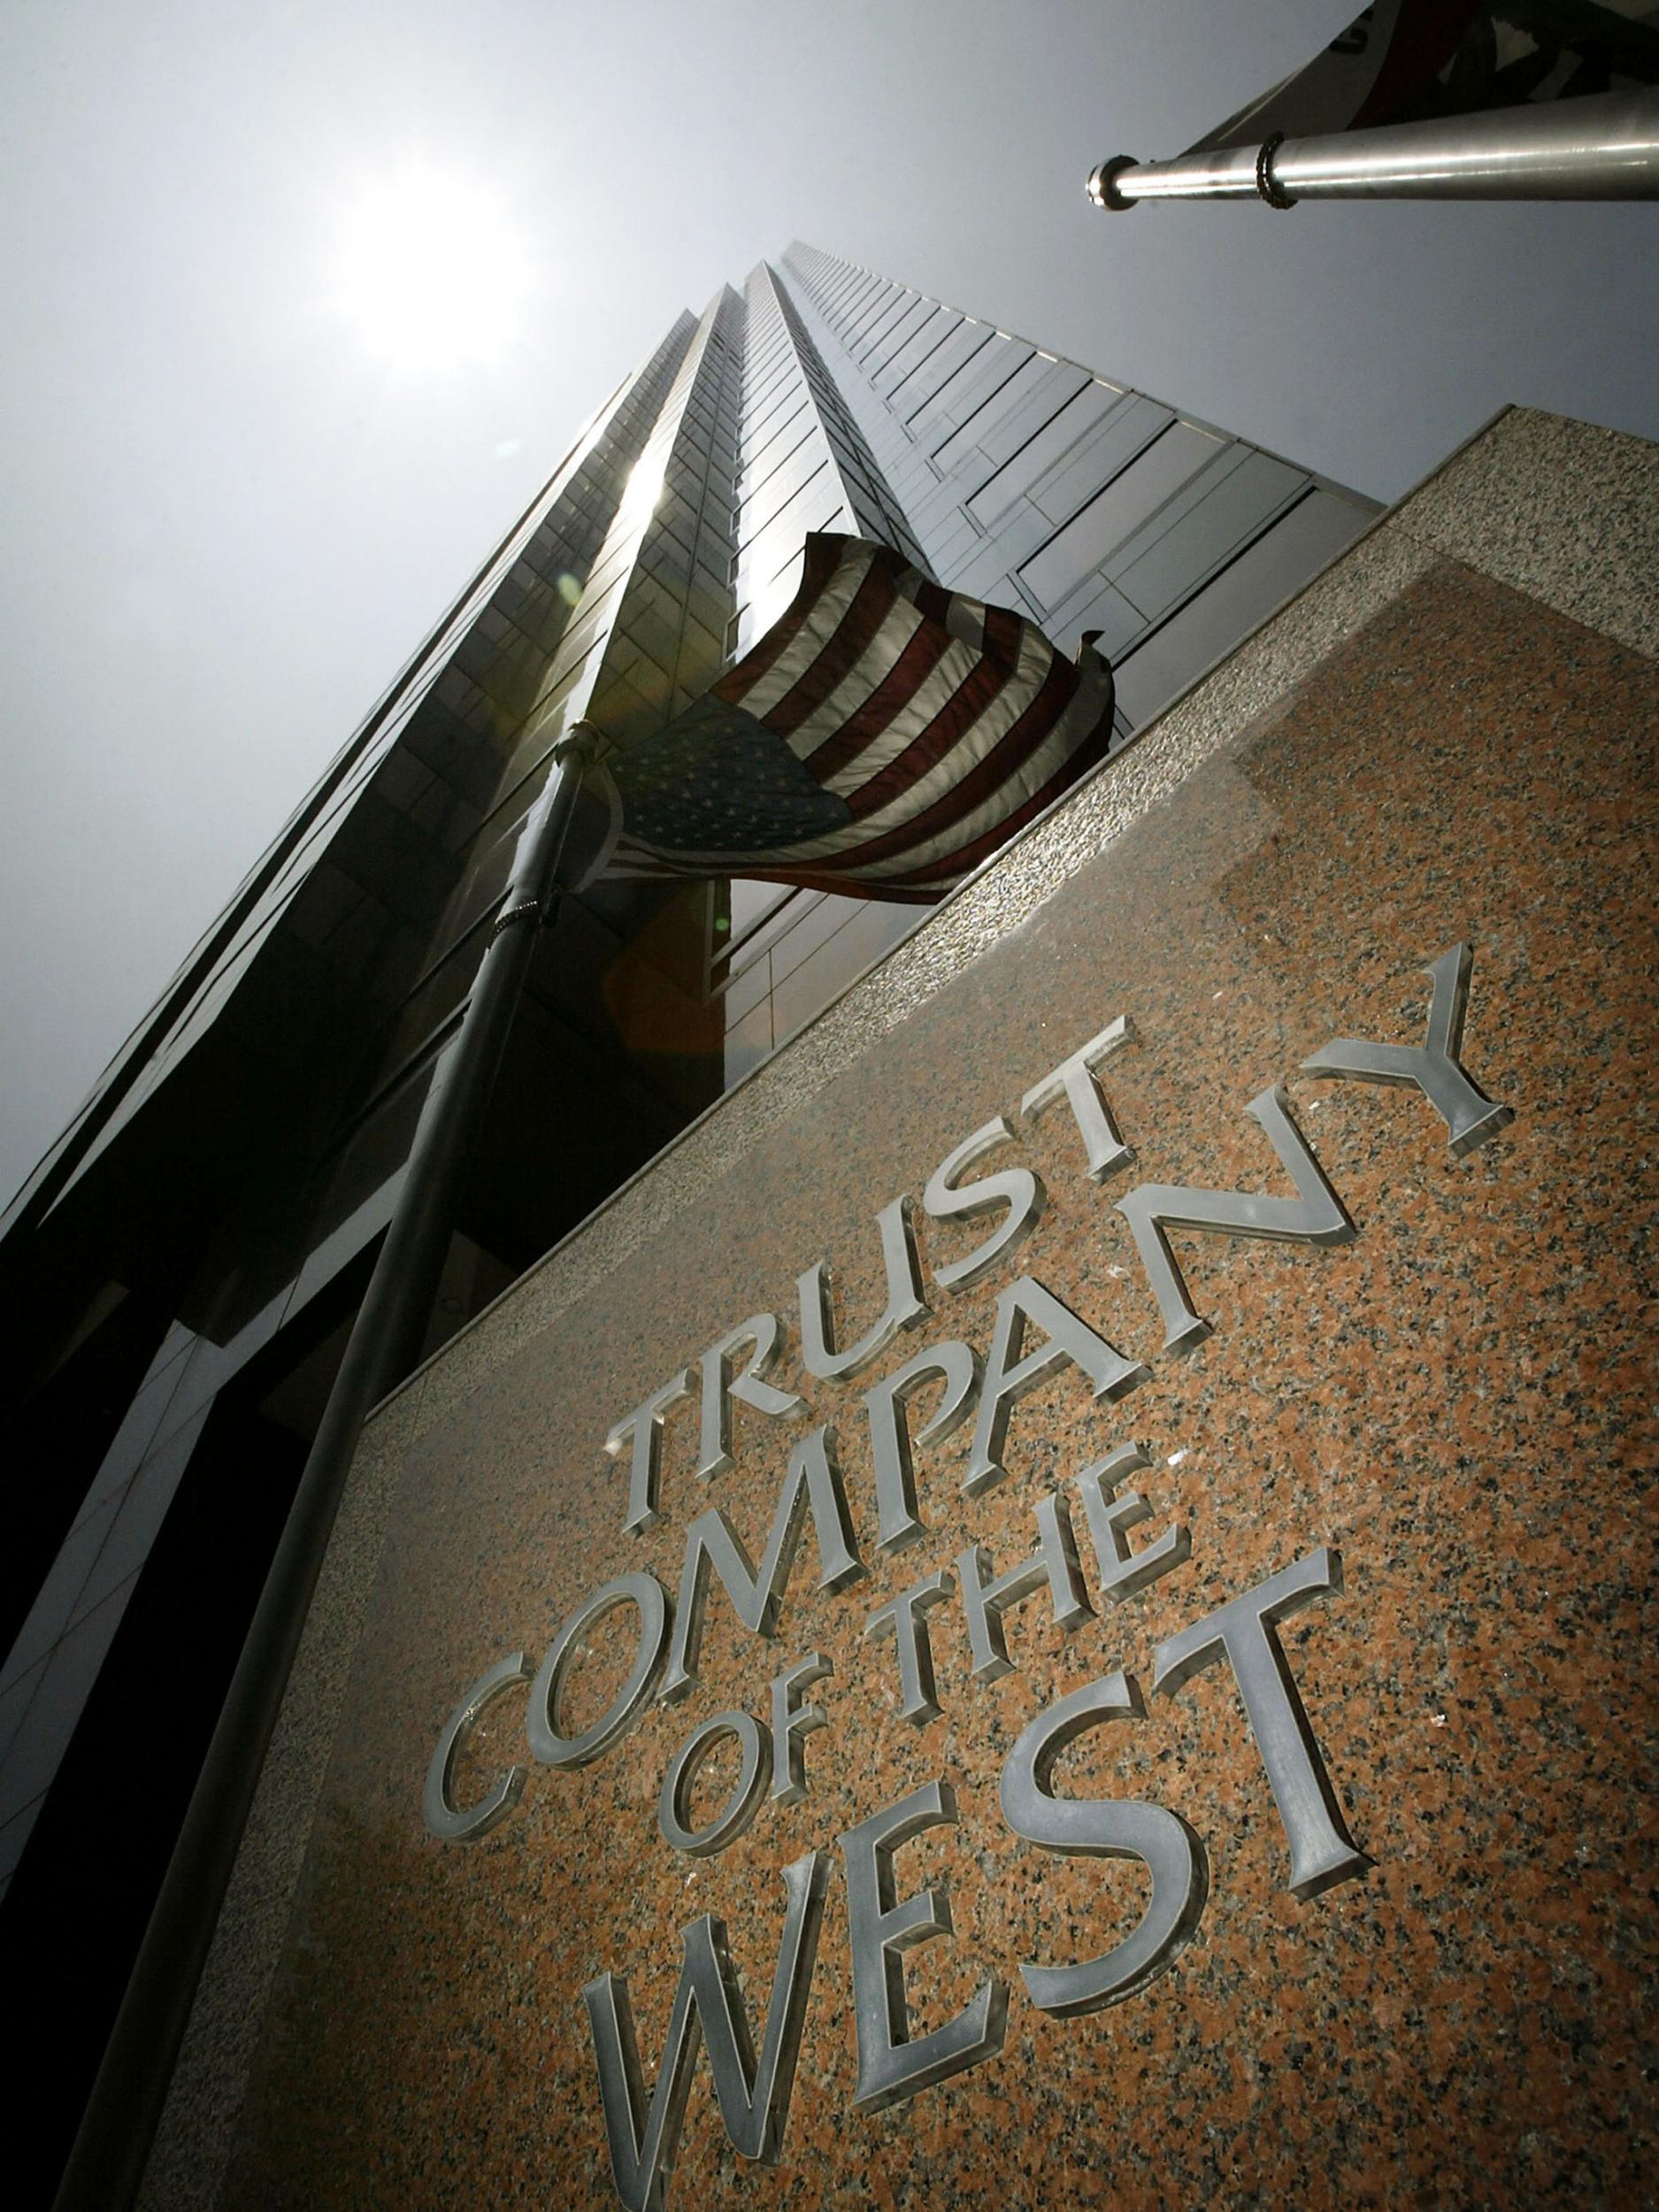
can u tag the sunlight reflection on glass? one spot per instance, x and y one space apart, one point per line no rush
773 599
645 483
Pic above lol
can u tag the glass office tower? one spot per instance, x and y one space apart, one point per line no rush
181 1271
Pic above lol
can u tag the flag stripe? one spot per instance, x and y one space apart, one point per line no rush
781 674
871 603
931 697
1002 640
851 697
939 781
927 645
1089 751
823 557
934 599
1028 756
1011 749
937 725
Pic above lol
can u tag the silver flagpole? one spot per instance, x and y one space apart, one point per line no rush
1602 146
107 2163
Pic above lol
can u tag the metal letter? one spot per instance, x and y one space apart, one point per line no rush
890 1437
1316 1216
905 1306
1016 1188
542 1723
1322 1852
754 2100
790 1722
1011 1371
1073 1080
764 1333
673 1806
812 1484
443 1819
1433 1068
644 1426
1104 1828
904 1617
986 1596
890 2065
1124 1573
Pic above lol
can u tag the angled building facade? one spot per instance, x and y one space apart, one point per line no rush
181 1272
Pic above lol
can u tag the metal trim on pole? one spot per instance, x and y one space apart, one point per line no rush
107 2163
1602 146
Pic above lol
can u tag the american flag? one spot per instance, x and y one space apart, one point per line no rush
881 740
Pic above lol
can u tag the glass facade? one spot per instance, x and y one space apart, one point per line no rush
181 1272
1020 477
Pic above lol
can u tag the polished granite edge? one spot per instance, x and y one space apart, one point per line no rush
1490 507
193 2142
1593 558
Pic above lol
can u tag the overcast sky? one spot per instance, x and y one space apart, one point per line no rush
237 488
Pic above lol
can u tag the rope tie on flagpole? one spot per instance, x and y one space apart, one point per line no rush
1266 183
581 746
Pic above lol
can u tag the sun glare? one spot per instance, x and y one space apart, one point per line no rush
431 273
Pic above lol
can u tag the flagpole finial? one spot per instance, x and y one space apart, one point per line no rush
1103 183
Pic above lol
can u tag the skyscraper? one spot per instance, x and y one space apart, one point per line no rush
181 1271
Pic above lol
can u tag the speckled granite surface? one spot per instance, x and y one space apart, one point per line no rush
1461 1398
1591 551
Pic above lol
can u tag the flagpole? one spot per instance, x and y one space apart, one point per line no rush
107 2163
1602 146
